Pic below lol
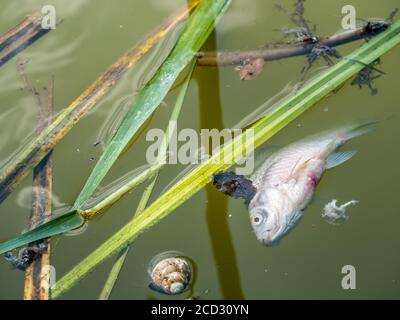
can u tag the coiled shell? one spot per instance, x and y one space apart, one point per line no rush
170 273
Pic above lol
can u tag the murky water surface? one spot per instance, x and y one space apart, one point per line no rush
210 228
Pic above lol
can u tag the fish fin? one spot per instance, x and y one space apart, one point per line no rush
338 158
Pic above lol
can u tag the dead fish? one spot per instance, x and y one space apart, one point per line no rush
286 182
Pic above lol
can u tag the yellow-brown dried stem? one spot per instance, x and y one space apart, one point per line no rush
21 36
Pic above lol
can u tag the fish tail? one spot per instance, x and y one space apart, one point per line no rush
357 130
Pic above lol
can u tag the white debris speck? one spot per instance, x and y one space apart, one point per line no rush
333 213
229 215
326 109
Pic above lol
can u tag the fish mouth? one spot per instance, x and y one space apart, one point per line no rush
270 241
272 238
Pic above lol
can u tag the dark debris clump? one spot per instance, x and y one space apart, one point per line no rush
25 257
234 185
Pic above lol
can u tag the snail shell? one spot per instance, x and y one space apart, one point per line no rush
170 273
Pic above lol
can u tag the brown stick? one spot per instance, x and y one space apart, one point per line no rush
21 36
240 57
37 274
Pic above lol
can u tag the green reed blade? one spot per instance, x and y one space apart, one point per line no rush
199 26
62 224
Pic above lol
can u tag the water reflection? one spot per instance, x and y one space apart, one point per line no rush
217 205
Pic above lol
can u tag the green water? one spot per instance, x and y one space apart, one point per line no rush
211 229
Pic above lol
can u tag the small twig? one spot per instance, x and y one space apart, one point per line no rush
269 54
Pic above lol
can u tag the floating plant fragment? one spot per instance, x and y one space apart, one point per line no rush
251 69
334 214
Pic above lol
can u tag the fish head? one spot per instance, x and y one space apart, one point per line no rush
272 215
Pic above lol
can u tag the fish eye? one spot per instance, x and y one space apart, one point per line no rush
257 219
